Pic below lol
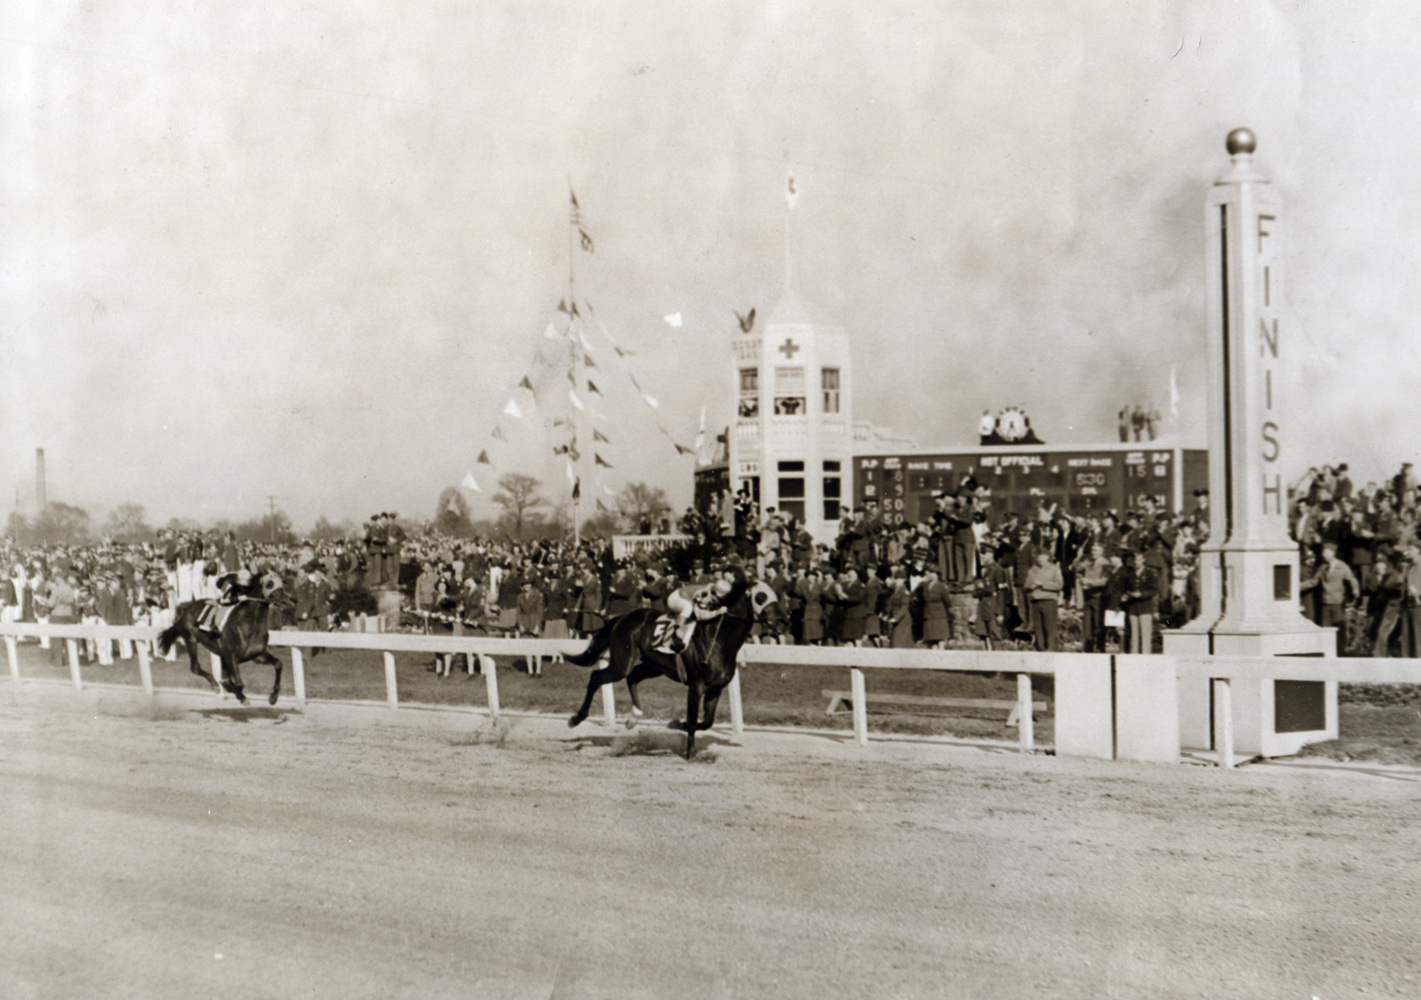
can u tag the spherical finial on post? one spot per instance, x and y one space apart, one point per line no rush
1241 140
1241 143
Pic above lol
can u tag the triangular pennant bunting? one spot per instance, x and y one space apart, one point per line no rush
470 483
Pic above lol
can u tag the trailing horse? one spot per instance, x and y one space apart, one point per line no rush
705 666
243 638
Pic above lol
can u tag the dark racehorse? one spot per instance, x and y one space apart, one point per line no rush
243 638
708 662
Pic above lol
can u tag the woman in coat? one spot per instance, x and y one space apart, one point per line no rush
875 594
896 614
935 600
586 609
811 591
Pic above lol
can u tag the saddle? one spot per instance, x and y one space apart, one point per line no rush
665 635
213 616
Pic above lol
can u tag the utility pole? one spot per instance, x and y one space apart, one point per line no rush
271 500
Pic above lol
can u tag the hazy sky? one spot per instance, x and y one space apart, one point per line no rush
307 251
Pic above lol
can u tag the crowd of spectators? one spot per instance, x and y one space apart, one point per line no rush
966 575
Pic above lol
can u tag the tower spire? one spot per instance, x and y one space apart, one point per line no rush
791 196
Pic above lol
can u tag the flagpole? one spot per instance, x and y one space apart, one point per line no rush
575 360
571 283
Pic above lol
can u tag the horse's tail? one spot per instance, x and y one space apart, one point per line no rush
601 641
171 634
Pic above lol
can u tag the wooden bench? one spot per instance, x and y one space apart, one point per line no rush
839 699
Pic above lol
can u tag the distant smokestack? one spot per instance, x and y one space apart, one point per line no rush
40 500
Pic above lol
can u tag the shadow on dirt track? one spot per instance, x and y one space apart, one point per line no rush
243 714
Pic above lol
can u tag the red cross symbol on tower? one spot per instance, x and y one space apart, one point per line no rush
789 347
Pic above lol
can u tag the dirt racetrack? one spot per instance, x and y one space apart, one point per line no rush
184 850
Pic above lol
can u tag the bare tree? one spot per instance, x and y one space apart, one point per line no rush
642 507
62 524
128 522
518 496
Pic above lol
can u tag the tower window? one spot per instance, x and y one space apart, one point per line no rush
833 492
829 381
789 392
749 392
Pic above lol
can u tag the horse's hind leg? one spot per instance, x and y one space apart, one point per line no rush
197 668
607 675
641 673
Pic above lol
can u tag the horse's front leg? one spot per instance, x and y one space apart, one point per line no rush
268 657
232 678
712 701
693 712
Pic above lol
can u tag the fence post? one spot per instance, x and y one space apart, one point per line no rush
491 681
71 646
216 664
298 674
860 697
1224 714
13 654
609 706
737 710
1026 731
391 694
145 668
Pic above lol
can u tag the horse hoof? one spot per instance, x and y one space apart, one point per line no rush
241 699
574 722
271 700
631 721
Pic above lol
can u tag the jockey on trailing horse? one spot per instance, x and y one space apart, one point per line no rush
233 589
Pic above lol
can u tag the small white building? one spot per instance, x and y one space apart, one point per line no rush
791 442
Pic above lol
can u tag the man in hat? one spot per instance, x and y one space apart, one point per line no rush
374 540
394 541
1337 586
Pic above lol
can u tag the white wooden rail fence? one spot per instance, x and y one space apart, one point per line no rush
387 643
1085 711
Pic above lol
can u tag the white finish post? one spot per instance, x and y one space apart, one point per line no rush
1224 720
1026 732
13 655
860 696
298 674
71 646
491 681
609 706
391 694
145 667
737 710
